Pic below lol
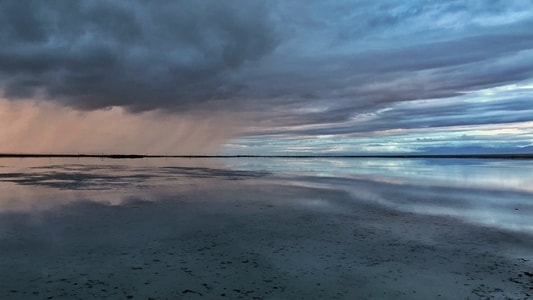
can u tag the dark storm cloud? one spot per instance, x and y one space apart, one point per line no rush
137 54
283 62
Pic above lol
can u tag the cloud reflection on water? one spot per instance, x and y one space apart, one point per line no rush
493 193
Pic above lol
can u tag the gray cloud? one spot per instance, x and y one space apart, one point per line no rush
413 115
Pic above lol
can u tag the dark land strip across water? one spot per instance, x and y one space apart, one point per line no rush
134 156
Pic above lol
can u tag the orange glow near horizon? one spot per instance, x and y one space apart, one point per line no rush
30 127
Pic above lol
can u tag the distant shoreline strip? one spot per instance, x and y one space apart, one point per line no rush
137 156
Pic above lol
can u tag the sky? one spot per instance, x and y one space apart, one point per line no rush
266 77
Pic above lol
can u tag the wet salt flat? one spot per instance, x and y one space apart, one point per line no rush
266 229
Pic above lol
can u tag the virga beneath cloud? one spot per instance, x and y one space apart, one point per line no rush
28 127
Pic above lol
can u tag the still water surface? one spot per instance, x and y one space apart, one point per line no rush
491 192
266 228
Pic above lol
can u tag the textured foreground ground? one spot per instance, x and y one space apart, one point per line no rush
231 236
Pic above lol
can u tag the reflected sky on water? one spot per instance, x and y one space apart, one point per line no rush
509 174
496 193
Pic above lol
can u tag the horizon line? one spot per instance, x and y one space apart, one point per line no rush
137 156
